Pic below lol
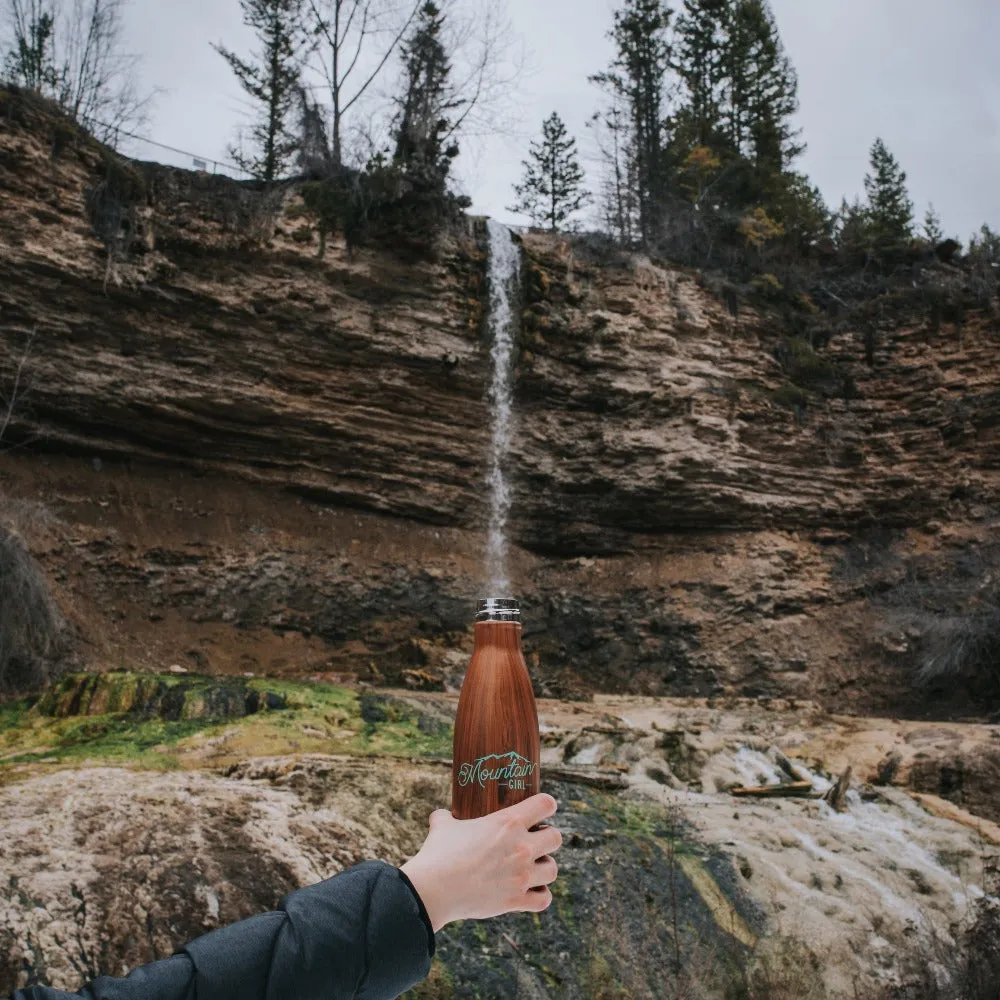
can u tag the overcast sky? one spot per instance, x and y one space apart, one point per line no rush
923 74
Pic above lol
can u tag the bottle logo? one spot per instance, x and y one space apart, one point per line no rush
508 770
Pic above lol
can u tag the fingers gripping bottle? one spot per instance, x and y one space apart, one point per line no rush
496 753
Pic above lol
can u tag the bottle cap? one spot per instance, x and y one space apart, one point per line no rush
498 609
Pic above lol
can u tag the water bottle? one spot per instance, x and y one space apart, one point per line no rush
496 749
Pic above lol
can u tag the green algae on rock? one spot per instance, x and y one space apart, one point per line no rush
170 697
169 721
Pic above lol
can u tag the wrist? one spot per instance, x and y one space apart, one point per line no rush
428 887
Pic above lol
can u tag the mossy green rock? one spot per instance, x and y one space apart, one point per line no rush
150 696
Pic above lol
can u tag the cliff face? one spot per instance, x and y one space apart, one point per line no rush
648 408
358 383
261 460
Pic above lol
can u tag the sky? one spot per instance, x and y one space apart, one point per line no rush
922 74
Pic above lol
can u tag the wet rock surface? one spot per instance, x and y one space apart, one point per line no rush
159 568
108 867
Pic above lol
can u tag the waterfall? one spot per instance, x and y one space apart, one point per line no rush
504 272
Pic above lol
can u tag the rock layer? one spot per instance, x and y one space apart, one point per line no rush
643 405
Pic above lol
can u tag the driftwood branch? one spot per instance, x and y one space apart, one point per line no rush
613 731
837 796
595 779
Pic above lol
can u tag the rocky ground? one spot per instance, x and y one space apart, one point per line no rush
128 832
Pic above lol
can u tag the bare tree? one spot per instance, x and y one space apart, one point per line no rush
355 41
487 64
15 383
30 57
73 51
100 86
619 203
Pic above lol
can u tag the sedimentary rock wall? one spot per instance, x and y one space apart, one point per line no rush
248 441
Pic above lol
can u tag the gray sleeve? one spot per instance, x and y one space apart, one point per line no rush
363 934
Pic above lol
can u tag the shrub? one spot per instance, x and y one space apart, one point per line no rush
791 397
983 264
381 204
113 207
962 647
768 286
808 369
758 228
253 214
778 969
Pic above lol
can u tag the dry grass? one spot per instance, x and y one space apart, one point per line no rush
964 968
962 646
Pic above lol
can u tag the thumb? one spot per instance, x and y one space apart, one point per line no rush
439 817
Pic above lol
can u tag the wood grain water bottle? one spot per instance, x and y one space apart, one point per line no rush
496 755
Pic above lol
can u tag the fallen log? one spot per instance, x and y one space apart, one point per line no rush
789 790
613 731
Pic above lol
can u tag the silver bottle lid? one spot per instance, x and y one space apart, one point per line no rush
498 609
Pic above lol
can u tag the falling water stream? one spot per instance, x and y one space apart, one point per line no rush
504 272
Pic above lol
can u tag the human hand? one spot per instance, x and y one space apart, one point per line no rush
478 868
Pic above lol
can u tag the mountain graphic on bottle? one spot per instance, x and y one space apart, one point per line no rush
496 730
509 770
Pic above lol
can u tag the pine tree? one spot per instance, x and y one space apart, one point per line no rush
933 233
762 89
271 79
853 231
889 210
698 59
552 188
738 99
639 76
423 124
803 213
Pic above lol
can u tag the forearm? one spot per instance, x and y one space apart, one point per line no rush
171 979
359 936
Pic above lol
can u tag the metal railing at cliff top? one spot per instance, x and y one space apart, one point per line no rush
182 158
